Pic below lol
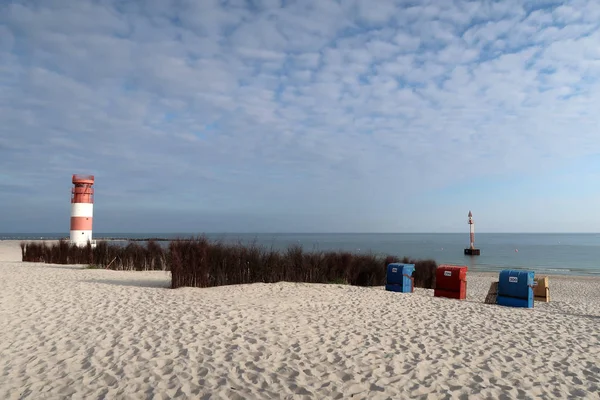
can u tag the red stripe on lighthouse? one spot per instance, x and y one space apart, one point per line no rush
81 223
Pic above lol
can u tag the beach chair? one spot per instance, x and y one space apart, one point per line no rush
541 290
399 278
515 288
451 281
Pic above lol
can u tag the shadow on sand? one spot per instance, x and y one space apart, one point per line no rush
57 266
147 283
557 312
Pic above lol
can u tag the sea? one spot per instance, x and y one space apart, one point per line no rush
547 253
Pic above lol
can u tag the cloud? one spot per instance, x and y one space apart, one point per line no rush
313 106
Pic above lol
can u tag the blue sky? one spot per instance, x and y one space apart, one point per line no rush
301 116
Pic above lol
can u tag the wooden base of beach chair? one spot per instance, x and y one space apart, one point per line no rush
541 291
492 294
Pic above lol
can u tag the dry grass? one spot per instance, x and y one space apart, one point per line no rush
197 262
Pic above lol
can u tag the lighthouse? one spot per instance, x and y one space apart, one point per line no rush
472 251
82 210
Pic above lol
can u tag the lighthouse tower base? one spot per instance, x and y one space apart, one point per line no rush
472 252
83 244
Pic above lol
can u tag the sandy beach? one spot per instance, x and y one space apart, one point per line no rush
70 332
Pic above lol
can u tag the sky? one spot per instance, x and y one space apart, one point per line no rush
301 116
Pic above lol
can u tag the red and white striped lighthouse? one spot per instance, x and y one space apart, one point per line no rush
82 209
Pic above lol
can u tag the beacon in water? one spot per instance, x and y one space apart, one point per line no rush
472 251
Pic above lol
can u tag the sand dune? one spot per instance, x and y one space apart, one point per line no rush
73 332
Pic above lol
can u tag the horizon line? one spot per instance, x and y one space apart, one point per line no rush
302 233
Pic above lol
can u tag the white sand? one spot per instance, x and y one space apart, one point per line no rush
85 334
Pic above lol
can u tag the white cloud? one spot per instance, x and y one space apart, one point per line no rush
366 11
260 54
488 32
407 42
307 60
566 14
456 54
382 50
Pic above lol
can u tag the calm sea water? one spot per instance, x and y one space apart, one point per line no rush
577 254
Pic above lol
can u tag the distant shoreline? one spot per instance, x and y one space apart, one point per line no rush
106 239
155 239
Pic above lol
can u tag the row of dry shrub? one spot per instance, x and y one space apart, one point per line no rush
197 262
132 257
200 263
